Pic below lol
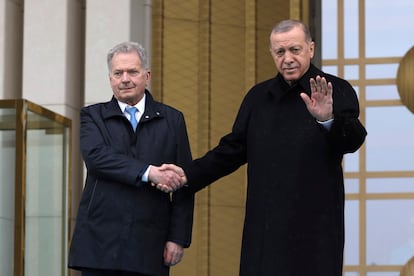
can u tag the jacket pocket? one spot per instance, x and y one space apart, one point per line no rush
92 195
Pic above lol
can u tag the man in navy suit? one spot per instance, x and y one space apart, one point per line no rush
125 226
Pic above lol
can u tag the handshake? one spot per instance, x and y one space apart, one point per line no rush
167 178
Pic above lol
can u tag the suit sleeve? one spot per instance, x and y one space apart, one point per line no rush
225 158
182 200
101 159
347 133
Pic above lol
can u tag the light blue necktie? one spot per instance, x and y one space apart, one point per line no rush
133 120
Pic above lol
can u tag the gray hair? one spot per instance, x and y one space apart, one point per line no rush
289 24
128 47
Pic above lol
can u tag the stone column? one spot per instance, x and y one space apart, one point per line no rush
52 54
108 23
52 67
11 19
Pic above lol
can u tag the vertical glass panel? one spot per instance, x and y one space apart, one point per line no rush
351 162
351 72
329 45
7 182
390 235
390 185
351 185
382 92
351 32
351 253
389 143
45 197
393 18
330 70
381 71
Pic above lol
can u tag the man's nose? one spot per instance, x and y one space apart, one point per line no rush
288 58
125 76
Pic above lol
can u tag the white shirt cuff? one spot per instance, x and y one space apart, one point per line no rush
144 177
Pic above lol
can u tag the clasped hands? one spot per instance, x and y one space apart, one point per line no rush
167 177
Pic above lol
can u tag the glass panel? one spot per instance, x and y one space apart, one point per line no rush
390 236
390 139
351 185
45 197
381 71
329 45
43 255
351 253
382 92
330 69
351 31
7 168
390 185
397 26
351 72
351 162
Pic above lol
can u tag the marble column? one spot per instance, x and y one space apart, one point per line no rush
11 20
52 76
107 24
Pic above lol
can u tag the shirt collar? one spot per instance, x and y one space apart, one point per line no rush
140 105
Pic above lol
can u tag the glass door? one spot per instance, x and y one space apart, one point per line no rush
35 157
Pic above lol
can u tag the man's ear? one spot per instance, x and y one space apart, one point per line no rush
312 48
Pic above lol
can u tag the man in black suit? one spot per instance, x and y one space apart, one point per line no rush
292 131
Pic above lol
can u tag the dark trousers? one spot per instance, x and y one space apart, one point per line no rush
99 272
